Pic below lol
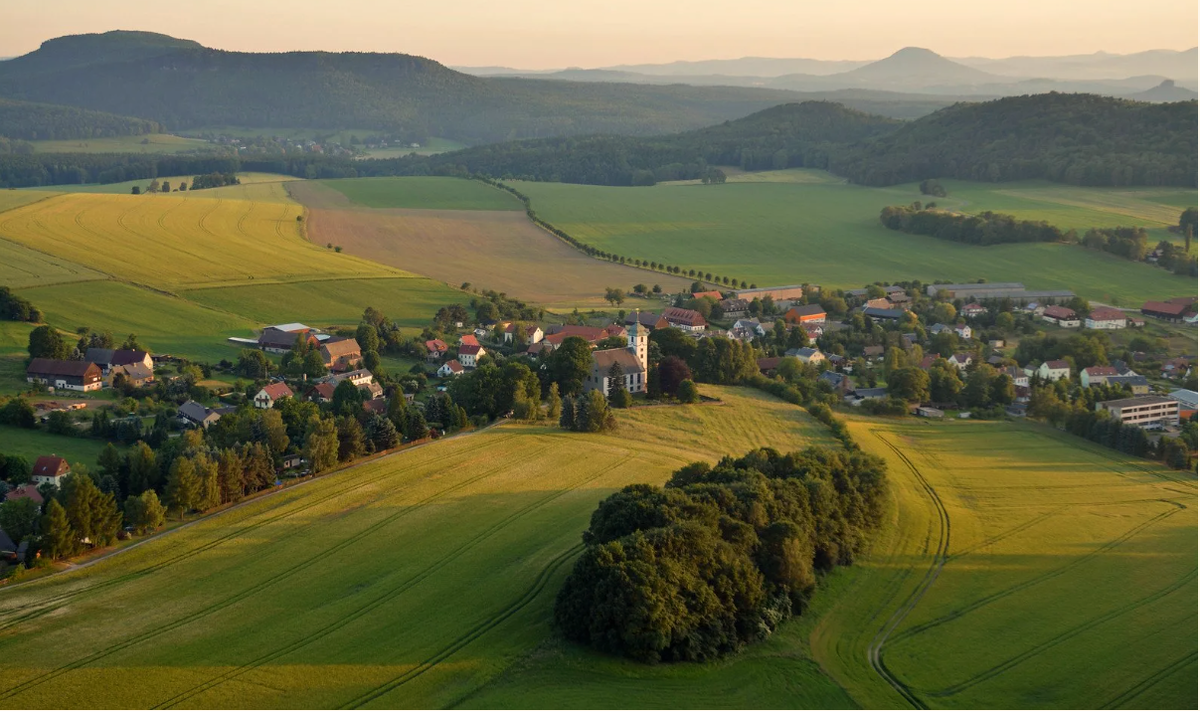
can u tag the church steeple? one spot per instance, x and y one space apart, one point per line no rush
638 341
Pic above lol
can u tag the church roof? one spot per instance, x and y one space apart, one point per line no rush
605 358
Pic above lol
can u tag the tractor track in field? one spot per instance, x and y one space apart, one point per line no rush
1007 533
1064 636
384 597
1145 684
470 636
1054 573
52 603
238 597
940 555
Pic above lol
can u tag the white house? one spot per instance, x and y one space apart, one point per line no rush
963 331
450 368
50 469
270 393
1105 318
1096 375
469 355
1054 370
533 333
961 361
807 355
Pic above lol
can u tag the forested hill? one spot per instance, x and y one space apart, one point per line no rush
779 137
183 85
1082 139
30 121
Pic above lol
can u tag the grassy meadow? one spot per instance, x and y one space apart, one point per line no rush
149 143
32 444
426 193
1021 568
410 581
828 232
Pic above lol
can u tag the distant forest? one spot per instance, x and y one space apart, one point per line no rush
1070 138
28 121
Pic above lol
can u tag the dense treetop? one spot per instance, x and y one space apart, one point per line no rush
30 121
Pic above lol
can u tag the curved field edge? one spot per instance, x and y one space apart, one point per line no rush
336 593
1063 581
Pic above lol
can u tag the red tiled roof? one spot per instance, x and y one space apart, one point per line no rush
277 390
689 317
1168 308
454 366
1057 312
469 350
436 345
1101 371
1057 364
1106 314
468 339
50 466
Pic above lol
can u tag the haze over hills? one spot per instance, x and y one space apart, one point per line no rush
911 69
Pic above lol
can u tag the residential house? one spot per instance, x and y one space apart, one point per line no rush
1136 322
195 415
371 391
24 492
839 382
632 361
806 314
650 320
1105 318
813 331
961 360
1179 367
939 328
1022 394
1171 310
107 359
50 469
1054 370
1147 412
280 339
469 356
1018 375
767 366
1096 375
321 393
807 354
873 353
1138 385
899 298
885 314
359 377
82 376
435 349
341 354
450 368
481 333
963 331
685 319
733 308
973 310
533 333
375 405
468 340
747 329
928 361
135 374
1062 316
839 361
270 393
555 334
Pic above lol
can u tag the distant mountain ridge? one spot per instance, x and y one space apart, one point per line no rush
181 84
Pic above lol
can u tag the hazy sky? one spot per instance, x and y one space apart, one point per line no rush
538 34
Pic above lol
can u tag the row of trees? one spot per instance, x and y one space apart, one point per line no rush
720 556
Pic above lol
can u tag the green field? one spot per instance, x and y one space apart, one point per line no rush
32 444
825 233
427 193
150 143
406 582
1022 568
411 301
431 147
1017 567
165 324
14 339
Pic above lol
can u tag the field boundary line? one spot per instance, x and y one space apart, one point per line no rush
1145 684
1042 647
875 649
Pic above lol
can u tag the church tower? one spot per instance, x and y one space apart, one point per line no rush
638 341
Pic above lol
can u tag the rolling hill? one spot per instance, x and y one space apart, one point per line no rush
31 121
182 84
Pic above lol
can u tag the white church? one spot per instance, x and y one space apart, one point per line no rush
632 359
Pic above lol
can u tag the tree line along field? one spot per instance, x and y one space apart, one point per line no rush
406 581
479 235
829 233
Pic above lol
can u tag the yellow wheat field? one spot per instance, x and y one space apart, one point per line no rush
174 242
